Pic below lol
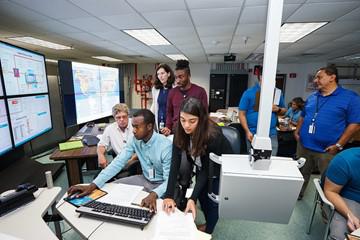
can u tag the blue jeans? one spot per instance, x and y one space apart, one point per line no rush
210 208
274 145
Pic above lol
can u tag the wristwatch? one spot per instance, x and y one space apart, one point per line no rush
339 146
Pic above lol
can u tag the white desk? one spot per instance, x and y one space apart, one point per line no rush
26 222
94 229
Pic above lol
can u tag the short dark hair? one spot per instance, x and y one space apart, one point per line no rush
204 130
330 70
171 79
149 117
183 65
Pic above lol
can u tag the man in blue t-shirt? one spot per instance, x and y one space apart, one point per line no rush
330 117
249 111
342 188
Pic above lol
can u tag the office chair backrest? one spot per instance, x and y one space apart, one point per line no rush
327 208
233 136
242 137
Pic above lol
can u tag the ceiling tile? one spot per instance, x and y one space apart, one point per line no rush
55 26
339 27
116 35
256 2
351 16
322 11
289 9
157 5
179 18
256 14
58 9
127 21
251 30
83 36
104 8
11 11
214 31
205 4
89 24
351 37
213 17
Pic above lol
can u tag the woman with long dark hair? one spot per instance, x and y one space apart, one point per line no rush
197 136
164 81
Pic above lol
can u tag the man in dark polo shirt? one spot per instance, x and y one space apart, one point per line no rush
177 95
331 116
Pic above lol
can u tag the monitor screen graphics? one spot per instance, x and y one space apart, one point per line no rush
23 70
5 143
96 91
29 116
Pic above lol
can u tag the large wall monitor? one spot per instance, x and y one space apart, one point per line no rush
90 94
5 143
23 71
29 116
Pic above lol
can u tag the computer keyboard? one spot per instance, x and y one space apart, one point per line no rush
134 216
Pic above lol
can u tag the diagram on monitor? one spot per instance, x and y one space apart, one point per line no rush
5 143
29 116
96 91
23 71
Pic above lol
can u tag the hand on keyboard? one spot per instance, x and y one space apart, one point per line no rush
150 201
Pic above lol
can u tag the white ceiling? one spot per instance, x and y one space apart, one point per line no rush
202 30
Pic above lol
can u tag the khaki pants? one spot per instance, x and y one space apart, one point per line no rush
312 158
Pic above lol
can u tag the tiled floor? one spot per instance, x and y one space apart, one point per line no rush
237 229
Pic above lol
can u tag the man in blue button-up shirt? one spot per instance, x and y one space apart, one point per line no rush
154 153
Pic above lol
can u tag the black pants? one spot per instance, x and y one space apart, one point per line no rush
210 208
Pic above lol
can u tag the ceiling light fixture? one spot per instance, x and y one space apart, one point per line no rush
108 59
150 36
41 43
292 32
176 57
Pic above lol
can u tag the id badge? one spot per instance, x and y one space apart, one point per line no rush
312 128
151 172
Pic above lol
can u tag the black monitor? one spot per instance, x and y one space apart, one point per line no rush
29 117
89 91
24 94
5 143
23 71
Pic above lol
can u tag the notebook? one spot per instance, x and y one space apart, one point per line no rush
70 145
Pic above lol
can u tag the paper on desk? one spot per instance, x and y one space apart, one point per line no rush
175 226
122 194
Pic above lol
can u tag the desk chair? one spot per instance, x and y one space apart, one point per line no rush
233 136
328 208
242 136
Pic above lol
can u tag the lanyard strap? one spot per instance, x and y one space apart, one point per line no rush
317 109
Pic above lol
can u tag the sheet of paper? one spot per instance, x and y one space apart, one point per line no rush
121 194
175 226
137 200
277 96
99 136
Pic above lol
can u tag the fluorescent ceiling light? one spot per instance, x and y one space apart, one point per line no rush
42 43
176 57
51 60
292 32
106 58
150 37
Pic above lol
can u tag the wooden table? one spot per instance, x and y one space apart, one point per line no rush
73 159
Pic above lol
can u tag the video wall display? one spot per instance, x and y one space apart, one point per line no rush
23 71
5 143
24 104
29 116
91 94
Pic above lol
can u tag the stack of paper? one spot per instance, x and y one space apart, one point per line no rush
70 145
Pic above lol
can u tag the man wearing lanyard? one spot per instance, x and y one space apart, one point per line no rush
116 135
154 153
331 116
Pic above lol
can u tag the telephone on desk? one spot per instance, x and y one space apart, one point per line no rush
22 195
